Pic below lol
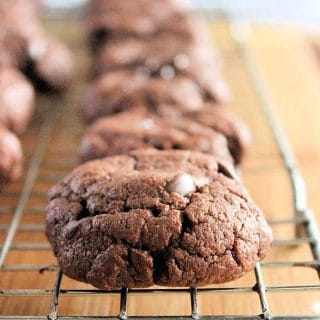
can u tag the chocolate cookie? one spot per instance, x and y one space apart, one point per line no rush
184 33
225 122
12 49
16 99
168 55
11 156
139 129
50 65
46 61
124 89
172 98
174 218
21 17
122 19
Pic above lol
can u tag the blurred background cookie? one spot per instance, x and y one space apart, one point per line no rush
16 99
128 131
11 157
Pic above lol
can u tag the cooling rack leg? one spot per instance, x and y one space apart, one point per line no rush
313 230
261 289
55 297
194 304
123 304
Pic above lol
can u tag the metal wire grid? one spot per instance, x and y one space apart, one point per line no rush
303 218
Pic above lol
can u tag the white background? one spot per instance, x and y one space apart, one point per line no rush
298 12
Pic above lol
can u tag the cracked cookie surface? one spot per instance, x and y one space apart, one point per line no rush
174 218
127 131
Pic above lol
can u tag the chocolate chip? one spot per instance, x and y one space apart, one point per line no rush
181 61
182 184
147 124
167 72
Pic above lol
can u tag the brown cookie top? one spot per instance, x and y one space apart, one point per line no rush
175 98
12 49
139 129
124 89
167 55
21 17
224 121
176 218
50 64
121 19
16 99
11 156
46 61
153 54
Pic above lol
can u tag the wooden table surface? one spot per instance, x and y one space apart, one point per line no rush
291 73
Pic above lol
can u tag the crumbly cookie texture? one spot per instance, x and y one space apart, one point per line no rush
127 131
174 218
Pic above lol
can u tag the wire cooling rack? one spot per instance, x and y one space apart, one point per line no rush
32 286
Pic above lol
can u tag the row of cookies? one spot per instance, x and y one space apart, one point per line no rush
28 58
168 69
162 203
